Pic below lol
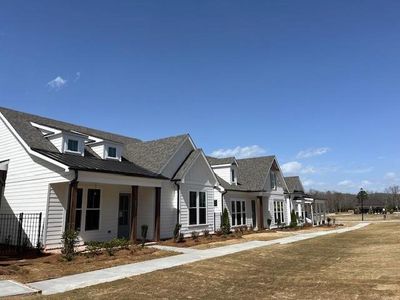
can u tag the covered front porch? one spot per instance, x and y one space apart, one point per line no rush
102 207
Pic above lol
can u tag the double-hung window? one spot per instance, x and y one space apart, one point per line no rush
238 213
78 211
197 208
278 212
93 210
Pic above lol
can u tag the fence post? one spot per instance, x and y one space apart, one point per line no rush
21 219
39 230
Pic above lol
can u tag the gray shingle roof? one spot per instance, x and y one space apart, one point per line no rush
186 164
153 155
252 174
150 156
294 184
99 165
220 161
34 138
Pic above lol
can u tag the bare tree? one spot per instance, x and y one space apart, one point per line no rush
394 191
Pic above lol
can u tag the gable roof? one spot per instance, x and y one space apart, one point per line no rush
294 184
153 155
145 158
187 164
214 161
252 174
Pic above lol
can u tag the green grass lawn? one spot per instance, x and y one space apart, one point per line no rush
362 264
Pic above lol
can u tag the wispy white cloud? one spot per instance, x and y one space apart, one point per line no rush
309 170
312 152
240 152
391 176
346 183
360 170
77 76
57 83
366 183
291 167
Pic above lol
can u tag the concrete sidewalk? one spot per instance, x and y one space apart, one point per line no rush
67 283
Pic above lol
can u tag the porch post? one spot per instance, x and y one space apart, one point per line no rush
73 194
134 207
157 214
260 214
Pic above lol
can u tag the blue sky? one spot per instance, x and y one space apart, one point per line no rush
315 82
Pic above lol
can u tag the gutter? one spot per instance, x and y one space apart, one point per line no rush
72 182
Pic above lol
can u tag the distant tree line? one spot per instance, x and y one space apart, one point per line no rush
342 202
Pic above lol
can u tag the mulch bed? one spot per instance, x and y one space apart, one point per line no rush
54 265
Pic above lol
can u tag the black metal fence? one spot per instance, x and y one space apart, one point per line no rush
19 232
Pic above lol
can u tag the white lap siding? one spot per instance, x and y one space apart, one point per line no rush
28 178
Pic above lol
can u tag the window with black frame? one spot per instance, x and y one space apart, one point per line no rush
93 210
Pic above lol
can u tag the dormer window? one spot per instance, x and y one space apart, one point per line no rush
112 152
73 145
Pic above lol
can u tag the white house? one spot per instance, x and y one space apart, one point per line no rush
105 185
307 208
101 184
253 191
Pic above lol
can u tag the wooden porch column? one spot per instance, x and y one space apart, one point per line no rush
134 207
157 214
260 214
73 194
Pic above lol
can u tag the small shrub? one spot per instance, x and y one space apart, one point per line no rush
293 217
218 232
144 233
329 221
69 240
250 228
110 247
243 229
177 230
195 236
93 248
226 226
181 238
206 233
238 232
333 221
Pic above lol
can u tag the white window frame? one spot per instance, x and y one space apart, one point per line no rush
279 211
197 207
90 209
108 151
273 180
235 212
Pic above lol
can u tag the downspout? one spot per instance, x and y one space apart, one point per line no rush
222 206
177 201
72 182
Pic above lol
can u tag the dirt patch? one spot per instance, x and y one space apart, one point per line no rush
54 265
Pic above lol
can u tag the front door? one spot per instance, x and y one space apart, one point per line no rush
253 212
124 215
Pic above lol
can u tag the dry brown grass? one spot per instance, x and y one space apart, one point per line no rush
53 266
351 218
362 264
